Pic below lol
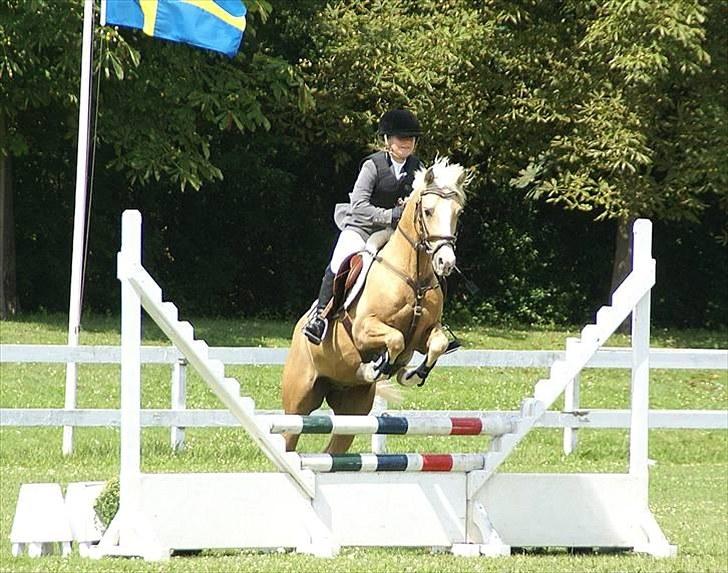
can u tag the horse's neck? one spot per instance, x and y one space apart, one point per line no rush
401 254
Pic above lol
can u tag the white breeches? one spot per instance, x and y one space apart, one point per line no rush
349 242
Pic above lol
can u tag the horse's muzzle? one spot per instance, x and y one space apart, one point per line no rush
443 259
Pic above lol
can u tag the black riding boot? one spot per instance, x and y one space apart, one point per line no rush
315 328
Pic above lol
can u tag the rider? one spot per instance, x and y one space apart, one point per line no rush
376 202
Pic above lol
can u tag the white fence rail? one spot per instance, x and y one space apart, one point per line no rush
159 418
177 417
666 358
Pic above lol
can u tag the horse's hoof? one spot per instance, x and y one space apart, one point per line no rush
378 370
371 374
409 378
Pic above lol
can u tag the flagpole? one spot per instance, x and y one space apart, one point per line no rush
79 217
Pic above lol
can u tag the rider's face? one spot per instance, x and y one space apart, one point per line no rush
401 147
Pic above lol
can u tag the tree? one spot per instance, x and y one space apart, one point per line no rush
645 131
34 71
162 105
533 94
8 292
615 108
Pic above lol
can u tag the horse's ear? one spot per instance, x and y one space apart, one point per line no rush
429 176
462 178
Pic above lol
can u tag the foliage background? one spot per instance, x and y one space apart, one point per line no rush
568 112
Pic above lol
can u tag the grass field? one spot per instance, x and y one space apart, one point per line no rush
688 488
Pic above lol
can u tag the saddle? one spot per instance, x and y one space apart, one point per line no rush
349 282
350 279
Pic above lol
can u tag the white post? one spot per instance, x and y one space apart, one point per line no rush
131 312
79 217
571 403
379 442
641 262
179 396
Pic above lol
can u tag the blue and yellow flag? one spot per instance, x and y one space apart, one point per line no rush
213 24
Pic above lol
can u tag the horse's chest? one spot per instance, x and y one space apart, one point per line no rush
425 312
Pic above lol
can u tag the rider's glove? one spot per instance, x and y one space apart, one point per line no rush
396 215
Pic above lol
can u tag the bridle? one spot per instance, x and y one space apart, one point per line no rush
428 242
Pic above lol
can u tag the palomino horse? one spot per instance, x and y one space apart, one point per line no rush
398 311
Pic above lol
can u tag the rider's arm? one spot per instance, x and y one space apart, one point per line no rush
361 198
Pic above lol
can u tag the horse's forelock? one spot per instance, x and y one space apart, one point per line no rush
447 176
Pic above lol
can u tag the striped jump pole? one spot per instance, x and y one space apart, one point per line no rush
324 463
424 426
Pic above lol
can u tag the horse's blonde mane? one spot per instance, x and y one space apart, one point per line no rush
448 175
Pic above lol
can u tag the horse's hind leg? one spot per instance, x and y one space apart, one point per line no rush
352 401
302 398
301 392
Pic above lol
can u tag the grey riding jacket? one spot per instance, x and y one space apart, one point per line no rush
376 191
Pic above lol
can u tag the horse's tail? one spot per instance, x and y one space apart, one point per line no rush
390 392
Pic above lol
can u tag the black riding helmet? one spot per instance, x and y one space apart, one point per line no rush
399 122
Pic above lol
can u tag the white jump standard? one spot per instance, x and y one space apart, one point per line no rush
458 501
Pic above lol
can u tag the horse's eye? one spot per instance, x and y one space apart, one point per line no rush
429 212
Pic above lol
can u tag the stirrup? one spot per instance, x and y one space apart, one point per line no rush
313 337
452 346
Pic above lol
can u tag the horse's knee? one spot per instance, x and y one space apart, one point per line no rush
370 333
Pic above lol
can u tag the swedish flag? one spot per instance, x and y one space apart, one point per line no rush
213 24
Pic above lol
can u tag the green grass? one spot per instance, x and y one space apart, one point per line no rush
688 488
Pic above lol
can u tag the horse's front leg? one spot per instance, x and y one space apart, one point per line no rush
437 344
372 334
